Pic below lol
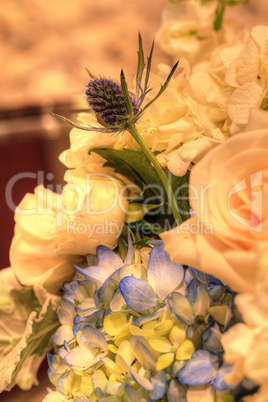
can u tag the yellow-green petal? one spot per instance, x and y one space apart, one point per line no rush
177 334
114 322
163 328
112 348
185 350
160 344
164 361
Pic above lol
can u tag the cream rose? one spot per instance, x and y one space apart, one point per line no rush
245 345
53 231
230 197
81 142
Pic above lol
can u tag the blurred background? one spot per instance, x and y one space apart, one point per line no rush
45 47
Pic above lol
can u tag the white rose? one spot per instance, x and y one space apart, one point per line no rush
246 345
53 231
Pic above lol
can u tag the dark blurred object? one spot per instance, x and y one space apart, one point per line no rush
36 394
31 140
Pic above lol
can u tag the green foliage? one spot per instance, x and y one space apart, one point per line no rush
25 333
135 166
136 211
219 14
132 163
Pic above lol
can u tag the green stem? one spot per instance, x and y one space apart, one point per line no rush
152 227
149 154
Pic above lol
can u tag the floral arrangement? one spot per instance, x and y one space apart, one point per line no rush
148 273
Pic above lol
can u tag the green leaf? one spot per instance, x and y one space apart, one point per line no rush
119 166
219 13
148 69
140 67
126 95
235 2
136 161
183 202
142 242
137 211
73 124
162 89
90 73
25 334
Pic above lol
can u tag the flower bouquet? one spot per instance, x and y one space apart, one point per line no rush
146 277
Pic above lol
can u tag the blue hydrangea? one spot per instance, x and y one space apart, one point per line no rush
140 328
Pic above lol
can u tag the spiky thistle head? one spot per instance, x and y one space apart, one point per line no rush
115 107
105 97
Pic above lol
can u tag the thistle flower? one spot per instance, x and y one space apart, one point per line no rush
106 99
115 107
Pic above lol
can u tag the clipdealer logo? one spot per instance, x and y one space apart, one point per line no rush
254 187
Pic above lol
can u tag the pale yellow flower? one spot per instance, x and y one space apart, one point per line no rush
53 231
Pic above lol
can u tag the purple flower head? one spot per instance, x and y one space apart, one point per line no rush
105 97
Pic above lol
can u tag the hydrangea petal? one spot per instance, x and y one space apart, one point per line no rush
200 369
185 350
108 259
198 297
92 336
137 270
94 273
160 344
117 301
147 318
114 388
130 252
141 380
163 275
106 291
164 327
114 322
66 312
215 291
218 382
181 307
80 358
211 339
63 333
142 353
132 395
203 277
222 314
176 392
164 361
86 306
65 383
138 294
92 320
125 352
177 334
55 396
99 380
159 385
56 363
